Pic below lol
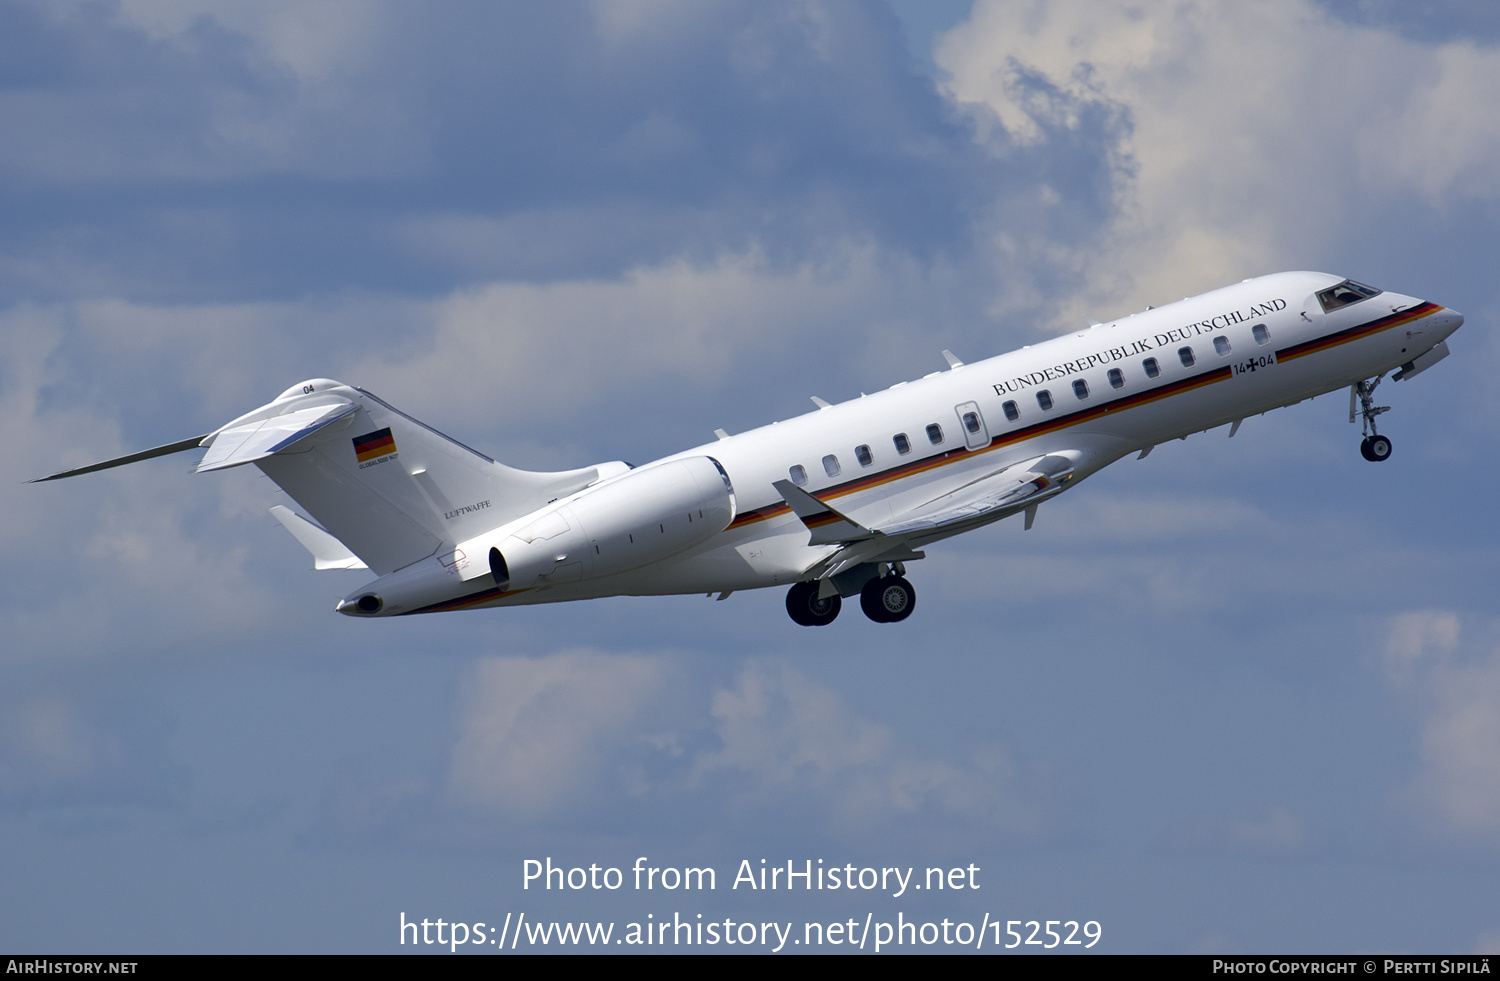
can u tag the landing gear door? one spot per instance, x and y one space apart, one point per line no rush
971 421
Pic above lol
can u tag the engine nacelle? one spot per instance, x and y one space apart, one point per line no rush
639 518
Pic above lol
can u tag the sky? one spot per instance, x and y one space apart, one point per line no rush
1238 697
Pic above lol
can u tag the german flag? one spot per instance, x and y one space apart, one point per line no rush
373 446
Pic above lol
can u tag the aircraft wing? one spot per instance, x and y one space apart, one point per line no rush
1010 490
827 526
993 496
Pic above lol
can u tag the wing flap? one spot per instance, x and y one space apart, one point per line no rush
989 498
1012 489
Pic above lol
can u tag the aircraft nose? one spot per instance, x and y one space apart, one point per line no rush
1445 321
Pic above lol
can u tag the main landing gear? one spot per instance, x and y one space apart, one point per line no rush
806 608
1374 447
888 600
885 599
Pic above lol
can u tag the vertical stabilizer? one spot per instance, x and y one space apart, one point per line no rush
391 489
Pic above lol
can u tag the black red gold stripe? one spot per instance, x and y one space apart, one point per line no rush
465 602
1088 414
1092 412
1355 333
999 442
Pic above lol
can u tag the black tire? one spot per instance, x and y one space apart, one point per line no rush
804 607
888 600
1376 449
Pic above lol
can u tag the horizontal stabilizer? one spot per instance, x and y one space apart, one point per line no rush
177 447
328 552
260 439
827 525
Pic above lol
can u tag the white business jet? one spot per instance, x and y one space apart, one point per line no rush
833 503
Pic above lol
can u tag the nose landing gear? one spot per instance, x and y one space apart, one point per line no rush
1374 447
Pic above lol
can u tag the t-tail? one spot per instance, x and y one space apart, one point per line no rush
372 487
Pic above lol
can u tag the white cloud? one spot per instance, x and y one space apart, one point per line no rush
1258 134
583 730
1278 831
46 744
92 556
540 734
581 340
1275 833
1443 136
316 41
1454 689
648 23
1432 634
786 738
276 87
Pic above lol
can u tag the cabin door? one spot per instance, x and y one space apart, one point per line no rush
971 421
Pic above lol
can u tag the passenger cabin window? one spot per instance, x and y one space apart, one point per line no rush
903 445
1261 335
1152 368
1044 399
1221 346
971 421
1344 294
1081 388
1011 412
934 434
1116 378
831 465
799 475
863 455
1185 355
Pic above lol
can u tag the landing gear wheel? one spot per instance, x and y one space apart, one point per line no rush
1375 448
888 600
805 608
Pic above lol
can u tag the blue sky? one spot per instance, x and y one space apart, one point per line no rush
1241 696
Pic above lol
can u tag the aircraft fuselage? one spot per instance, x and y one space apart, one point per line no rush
1090 397
834 502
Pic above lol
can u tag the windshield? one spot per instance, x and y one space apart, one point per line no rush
1344 294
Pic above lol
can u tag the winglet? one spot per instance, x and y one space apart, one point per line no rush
827 526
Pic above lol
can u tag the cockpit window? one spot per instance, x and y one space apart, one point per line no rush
1344 294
